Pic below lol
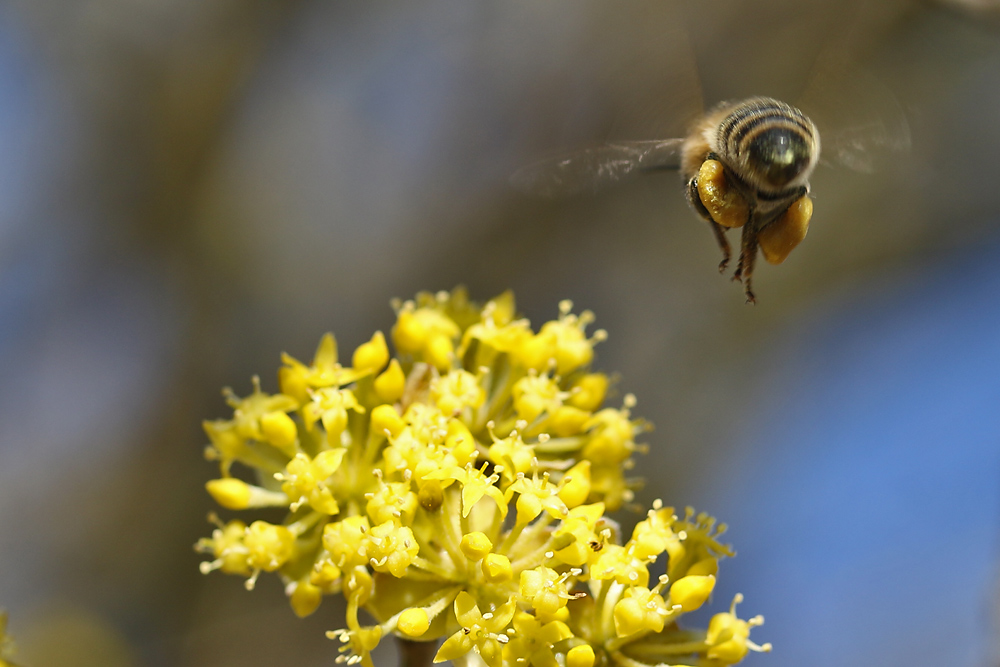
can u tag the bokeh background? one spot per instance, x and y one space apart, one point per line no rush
188 188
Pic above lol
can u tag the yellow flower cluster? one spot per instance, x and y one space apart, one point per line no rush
6 643
459 491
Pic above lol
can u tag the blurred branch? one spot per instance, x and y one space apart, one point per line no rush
415 654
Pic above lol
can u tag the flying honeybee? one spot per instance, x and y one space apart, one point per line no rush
746 165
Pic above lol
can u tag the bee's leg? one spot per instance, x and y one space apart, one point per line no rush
720 237
748 255
780 237
694 199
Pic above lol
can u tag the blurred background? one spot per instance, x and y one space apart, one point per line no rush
189 188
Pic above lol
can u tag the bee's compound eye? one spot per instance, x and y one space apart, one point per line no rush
778 155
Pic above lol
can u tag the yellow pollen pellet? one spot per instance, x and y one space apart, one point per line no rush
580 656
780 237
413 622
726 206
476 545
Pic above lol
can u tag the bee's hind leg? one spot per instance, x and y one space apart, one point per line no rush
748 255
694 199
720 237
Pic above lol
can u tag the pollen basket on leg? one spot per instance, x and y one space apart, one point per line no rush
779 238
725 204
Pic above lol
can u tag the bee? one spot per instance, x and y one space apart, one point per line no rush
745 164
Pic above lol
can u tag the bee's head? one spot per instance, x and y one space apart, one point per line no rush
780 155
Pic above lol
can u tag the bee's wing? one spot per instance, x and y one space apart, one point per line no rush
861 147
591 169
861 122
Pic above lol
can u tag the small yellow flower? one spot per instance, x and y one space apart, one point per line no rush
268 546
386 421
305 597
476 546
589 391
426 333
331 405
297 379
545 590
497 568
534 642
226 544
414 622
641 610
345 541
391 548
577 539
475 485
621 564
481 632
305 480
393 501
613 437
236 494
692 591
728 636
581 656
535 395
535 495
516 456
279 429
575 485
390 384
371 356
359 642
456 391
